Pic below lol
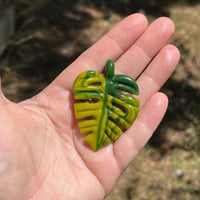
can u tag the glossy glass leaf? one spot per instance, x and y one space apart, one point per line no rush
105 105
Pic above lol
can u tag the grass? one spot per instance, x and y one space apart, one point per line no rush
154 176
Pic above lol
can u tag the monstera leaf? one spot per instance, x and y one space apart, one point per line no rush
105 105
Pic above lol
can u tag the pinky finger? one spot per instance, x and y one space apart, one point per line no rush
131 142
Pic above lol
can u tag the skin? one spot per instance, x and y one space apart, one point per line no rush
42 154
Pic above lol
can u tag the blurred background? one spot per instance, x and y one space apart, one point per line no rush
38 39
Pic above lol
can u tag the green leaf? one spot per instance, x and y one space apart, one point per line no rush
105 105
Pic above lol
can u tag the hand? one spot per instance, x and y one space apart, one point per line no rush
42 154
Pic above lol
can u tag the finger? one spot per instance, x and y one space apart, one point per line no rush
112 45
3 99
146 47
132 141
158 71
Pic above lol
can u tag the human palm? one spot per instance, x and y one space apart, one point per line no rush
42 154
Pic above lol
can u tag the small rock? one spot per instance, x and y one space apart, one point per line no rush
179 173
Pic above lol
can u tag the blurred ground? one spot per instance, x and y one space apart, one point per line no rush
52 33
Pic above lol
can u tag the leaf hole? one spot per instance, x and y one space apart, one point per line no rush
117 124
89 118
89 100
122 108
124 92
92 100
96 83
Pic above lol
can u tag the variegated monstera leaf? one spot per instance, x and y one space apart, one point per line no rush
105 105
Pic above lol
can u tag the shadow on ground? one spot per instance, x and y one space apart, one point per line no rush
182 114
155 8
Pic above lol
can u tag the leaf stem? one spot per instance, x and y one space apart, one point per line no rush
109 69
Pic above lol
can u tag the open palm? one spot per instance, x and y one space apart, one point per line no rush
42 154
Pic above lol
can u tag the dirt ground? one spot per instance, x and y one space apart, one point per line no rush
51 35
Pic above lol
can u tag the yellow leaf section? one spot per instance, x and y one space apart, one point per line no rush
90 107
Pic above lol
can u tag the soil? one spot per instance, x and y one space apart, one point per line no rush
50 35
